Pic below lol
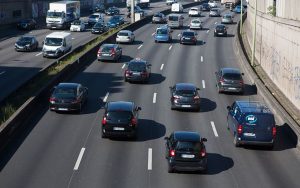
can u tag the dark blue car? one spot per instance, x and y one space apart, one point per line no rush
251 122
115 21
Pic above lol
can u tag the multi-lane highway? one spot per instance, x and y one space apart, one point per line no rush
66 150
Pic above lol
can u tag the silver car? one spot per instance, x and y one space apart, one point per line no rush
159 18
214 12
227 19
196 24
109 52
125 36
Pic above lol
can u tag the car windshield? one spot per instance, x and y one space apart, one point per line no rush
119 115
196 21
188 146
227 16
137 66
65 92
185 93
106 49
220 27
214 10
173 18
123 34
194 9
54 14
25 39
188 34
94 16
53 41
161 32
232 76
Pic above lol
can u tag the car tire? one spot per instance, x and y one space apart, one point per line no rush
170 169
103 134
236 142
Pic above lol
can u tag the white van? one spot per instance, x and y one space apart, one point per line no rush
57 44
175 20
177 7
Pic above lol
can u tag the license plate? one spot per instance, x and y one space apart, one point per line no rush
187 156
188 38
231 88
96 31
63 109
186 106
220 33
118 128
249 134
136 74
105 54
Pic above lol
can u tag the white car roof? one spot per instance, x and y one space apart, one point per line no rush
61 34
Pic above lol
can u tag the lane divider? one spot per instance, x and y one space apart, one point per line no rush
203 84
149 158
170 47
214 129
201 59
162 66
140 46
106 96
216 23
79 159
154 97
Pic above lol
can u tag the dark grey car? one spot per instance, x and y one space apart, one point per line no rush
109 52
137 70
230 80
185 96
188 37
26 43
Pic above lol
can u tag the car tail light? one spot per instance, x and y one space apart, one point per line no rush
128 73
222 80
113 51
274 131
172 153
99 52
104 121
133 122
240 129
52 99
176 97
144 74
241 82
203 152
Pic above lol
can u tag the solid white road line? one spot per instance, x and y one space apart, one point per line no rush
203 84
153 34
214 129
178 35
79 159
207 31
123 66
149 158
106 96
154 97
170 47
201 58
140 46
2 72
39 54
162 66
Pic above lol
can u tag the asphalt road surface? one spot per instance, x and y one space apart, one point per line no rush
66 150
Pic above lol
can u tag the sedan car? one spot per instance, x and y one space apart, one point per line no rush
115 21
109 52
238 9
214 12
188 37
159 18
227 19
137 9
120 119
26 43
94 18
185 96
125 36
77 25
220 30
194 11
230 80
196 24
185 151
68 97
27 24
163 34
99 28
112 11
205 7
137 70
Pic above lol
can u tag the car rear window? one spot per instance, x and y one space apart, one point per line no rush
173 18
65 92
232 76
196 21
119 115
137 66
185 93
189 34
162 32
188 146
157 15
122 34
106 49
227 16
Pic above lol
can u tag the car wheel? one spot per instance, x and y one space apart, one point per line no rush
236 142
155 41
80 109
103 135
170 169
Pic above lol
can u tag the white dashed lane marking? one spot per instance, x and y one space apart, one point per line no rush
170 47
207 31
123 66
39 54
149 158
216 23
106 96
201 59
203 84
162 66
153 34
79 159
154 97
214 129
140 47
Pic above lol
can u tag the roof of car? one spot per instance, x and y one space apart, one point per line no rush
109 45
27 36
138 60
231 70
253 106
68 85
125 31
185 86
120 105
187 136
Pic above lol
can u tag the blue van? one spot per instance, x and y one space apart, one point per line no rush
252 123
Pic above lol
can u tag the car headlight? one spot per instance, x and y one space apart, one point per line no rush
27 45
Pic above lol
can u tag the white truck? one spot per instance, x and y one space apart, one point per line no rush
229 2
62 13
140 3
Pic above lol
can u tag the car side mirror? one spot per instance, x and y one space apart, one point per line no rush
198 88
171 87
166 138
203 140
149 65
242 74
43 42
228 108
138 108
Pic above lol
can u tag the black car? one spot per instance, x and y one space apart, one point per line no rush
205 7
185 151
220 30
185 96
230 80
251 122
26 43
137 70
99 28
115 21
27 24
112 11
68 97
188 37
120 119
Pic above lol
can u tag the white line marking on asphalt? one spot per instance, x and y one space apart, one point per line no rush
203 84
2 72
216 23
79 159
73 38
153 34
207 31
106 96
149 158
123 66
214 129
154 97
39 54
140 46
162 66
178 35
201 58
170 47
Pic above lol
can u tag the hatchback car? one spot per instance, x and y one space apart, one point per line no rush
125 36
99 28
27 24
77 25
137 70
220 30
205 7
26 43
94 18
120 119
214 12
227 19
188 37
109 52
68 97
159 18
196 24
230 80
163 34
185 96
112 11
115 21
238 9
194 11
185 151
251 122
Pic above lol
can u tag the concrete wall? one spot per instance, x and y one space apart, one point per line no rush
277 50
289 9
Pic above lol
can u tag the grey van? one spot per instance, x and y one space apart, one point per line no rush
175 21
